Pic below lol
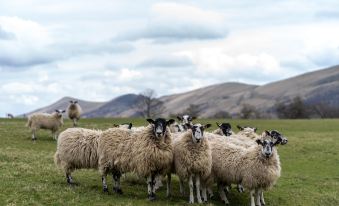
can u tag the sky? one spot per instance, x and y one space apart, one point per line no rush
98 50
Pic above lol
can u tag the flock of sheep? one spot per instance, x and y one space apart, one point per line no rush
166 147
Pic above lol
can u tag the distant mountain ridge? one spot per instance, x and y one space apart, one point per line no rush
313 87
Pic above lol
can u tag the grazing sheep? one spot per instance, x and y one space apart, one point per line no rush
193 159
224 129
257 168
74 111
77 149
45 121
148 153
10 116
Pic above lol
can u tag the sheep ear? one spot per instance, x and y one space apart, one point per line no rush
75 102
258 141
171 121
219 125
63 111
255 129
115 125
207 126
151 121
179 118
71 101
130 126
57 111
267 133
240 127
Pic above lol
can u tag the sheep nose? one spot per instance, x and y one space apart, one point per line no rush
158 133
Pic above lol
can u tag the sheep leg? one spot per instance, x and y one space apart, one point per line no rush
262 200
116 178
197 186
158 182
204 193
257 196
69 178
181 187
191 186
222 193
33 135
240 188
104 184
151 190
252 192
210 192
169 189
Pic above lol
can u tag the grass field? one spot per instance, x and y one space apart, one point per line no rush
28 176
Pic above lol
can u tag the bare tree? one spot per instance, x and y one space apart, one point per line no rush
249 111
148 105
296 109
193 110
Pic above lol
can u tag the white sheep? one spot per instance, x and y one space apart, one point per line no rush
257 168
77 149
193 160
45 121
74 112
148 153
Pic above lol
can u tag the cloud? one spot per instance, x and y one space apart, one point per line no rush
166 61
4 35
172 22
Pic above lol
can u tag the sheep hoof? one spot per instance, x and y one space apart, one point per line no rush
240 189
105 190
117 190
151 197
191 202
226 203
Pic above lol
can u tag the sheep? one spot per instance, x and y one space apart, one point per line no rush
74 111
176 127
193 159
257 167
185 119
45 121
10 116
224 129
124 125
249 132
148 153
77 149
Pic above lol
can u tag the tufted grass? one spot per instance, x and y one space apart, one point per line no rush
28 176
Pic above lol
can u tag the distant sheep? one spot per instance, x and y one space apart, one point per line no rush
224 129
10 116
74 112
185 119
148 153
176 127
124 125
47 121
193 159
77 149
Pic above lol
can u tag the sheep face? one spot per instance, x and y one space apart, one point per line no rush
198 131
267 147
159 126
73 104
225 128
59 112
277 136
186 119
